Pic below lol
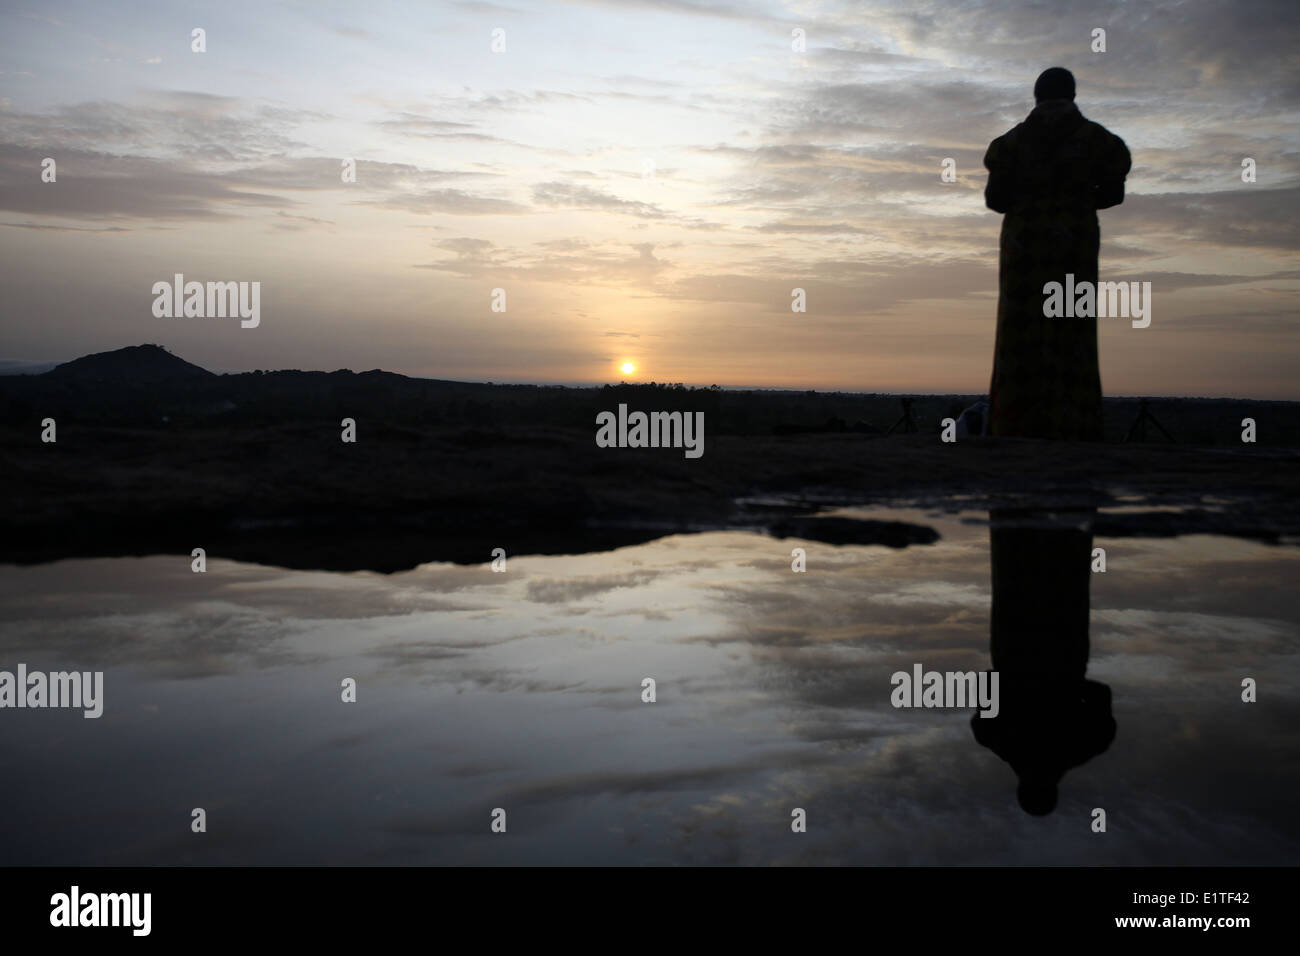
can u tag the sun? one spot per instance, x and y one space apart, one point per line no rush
628 368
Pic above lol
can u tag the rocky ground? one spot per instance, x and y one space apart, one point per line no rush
294 495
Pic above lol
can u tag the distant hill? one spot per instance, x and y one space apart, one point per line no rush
147 386
135 364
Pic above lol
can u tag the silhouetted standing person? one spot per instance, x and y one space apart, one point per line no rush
1049 175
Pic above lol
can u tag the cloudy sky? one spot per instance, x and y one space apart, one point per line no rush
647 181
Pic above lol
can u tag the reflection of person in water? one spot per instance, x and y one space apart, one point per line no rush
1051 717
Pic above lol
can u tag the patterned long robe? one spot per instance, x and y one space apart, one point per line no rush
1049 175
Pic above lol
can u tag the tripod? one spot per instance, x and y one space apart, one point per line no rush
905 419
1138 430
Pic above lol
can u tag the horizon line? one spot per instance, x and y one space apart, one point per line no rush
577 383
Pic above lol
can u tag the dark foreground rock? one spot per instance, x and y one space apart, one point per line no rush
292 494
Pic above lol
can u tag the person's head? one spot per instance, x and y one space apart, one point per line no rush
1037 795
1054 84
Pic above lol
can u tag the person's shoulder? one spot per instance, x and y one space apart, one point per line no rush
1003 144
1100 133
1011 135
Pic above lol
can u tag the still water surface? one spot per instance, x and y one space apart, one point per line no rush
522 690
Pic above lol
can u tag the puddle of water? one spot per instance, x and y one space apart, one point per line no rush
522 690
